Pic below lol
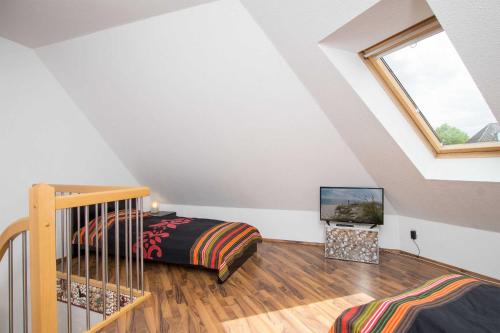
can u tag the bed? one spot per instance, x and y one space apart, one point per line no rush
450 303
212 244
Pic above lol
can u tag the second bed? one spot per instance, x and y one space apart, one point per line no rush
212 244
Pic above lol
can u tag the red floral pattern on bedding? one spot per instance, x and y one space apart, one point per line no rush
156 234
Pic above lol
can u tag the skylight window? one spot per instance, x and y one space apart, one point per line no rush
425 74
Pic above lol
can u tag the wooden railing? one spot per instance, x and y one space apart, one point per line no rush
45 201
20 227
11 233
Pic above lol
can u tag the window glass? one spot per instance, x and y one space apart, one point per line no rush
442 90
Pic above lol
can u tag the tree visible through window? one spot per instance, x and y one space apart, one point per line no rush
450 135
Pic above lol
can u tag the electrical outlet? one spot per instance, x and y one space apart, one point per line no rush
413 234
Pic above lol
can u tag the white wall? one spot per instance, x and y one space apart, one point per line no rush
471 249
210 113
296 225
468 248
43 138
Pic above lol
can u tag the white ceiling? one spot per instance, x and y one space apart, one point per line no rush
201 107
35 23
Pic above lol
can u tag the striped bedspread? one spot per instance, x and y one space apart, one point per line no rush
221 244
450 303
208 243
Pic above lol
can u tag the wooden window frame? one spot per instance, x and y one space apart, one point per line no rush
372 58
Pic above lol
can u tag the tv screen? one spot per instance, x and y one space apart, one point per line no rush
352 205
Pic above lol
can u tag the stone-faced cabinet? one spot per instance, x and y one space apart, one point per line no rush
357 243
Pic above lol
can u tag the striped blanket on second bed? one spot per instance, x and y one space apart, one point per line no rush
450 303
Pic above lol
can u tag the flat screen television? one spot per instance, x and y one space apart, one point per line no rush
352 205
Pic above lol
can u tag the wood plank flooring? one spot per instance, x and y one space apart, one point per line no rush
282 288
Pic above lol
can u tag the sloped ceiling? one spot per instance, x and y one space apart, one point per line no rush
296 30
35 23
201 107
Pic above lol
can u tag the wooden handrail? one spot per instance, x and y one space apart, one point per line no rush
70 188
84 199
11 232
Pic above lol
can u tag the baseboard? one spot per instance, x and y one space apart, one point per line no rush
403 253
272 240
444 265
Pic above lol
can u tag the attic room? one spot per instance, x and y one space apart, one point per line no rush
250 166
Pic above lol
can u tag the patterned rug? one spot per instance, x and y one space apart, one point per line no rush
78 297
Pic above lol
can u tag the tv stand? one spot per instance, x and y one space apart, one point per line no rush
354 242
344 225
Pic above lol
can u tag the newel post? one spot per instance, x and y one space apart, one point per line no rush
43 259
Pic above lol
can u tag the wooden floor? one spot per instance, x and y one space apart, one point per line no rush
282 288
